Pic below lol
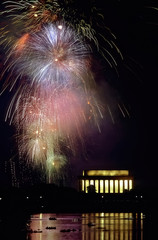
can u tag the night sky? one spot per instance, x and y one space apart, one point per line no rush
129 142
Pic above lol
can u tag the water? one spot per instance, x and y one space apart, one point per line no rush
86 226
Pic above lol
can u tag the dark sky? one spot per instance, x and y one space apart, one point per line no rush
130 142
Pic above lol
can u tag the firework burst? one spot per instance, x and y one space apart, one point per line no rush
51 62
49 70
54 98
55 56
61 116
86 19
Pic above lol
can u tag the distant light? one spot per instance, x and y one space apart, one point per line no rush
33 6
27 197
40 196
55 59
35 15
60 27
136 196
0 198
141 196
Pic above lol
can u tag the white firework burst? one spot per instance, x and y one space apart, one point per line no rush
53 57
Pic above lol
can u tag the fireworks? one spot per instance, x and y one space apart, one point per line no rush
55 56
27 16
51 122
48 67
54 94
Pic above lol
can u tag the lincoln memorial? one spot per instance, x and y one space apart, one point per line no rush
106 181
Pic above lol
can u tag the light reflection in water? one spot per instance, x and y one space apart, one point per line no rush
87 226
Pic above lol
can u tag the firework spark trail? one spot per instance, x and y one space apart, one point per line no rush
32 13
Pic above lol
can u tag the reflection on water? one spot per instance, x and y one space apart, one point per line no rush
112 226
87 226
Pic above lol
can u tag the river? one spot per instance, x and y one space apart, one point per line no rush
86 226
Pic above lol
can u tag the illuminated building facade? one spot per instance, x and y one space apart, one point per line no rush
106 181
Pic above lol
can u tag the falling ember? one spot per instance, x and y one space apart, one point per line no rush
60 27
